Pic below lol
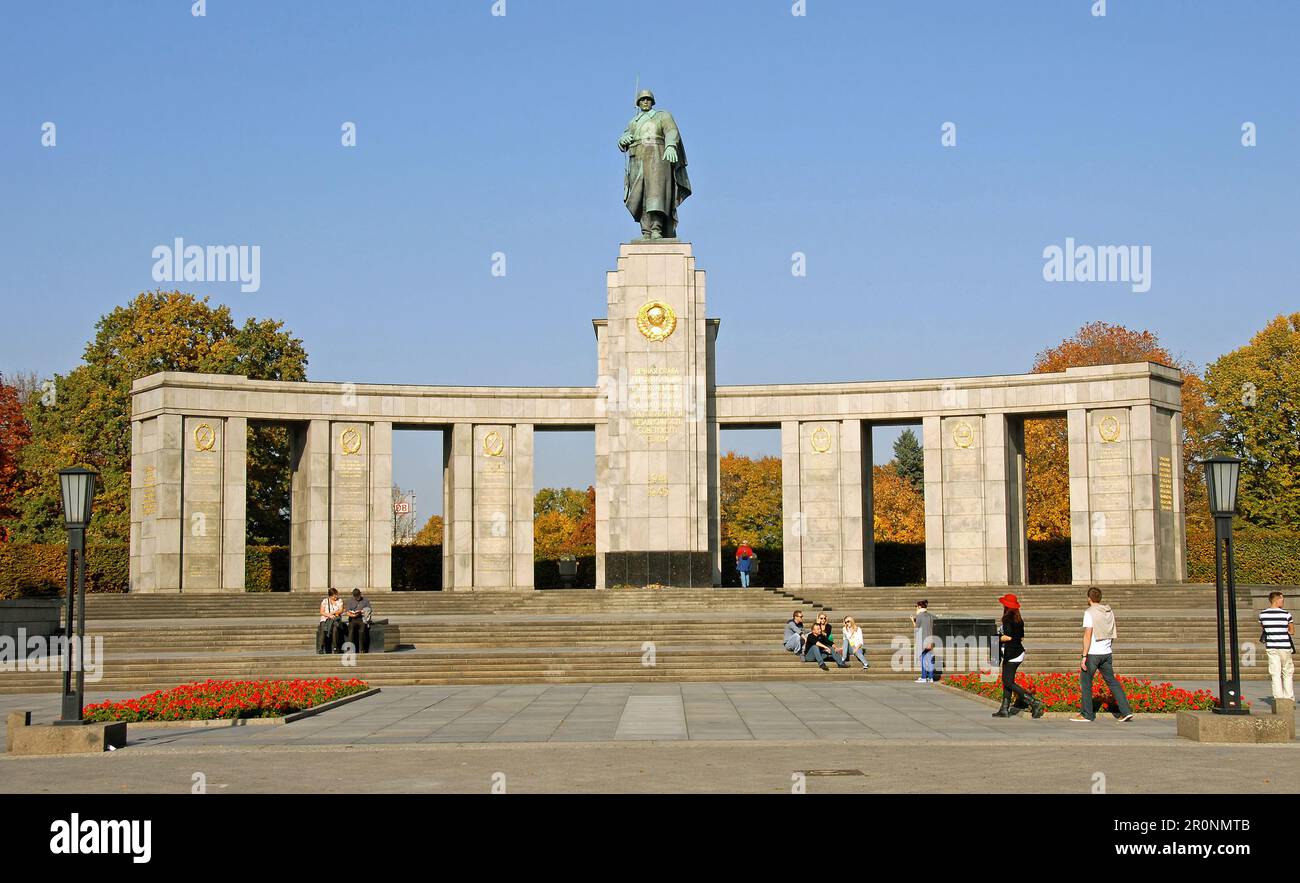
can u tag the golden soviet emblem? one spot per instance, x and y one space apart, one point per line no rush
1108 429
821 440
963 436
493 444
656 321
350 441
204 437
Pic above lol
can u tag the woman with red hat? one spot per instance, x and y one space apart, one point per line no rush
1012 652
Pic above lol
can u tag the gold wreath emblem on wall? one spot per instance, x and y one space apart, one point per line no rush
821 440
963 436
204 437
656 321
350 441
493 444
1108 429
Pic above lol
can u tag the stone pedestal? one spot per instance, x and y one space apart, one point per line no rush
43 739
1206 726
657 453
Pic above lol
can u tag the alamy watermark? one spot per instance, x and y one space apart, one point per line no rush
1100 263
179 262
40 653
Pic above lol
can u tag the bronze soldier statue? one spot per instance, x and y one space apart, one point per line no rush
655 182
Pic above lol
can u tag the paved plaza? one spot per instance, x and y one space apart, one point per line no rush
662 737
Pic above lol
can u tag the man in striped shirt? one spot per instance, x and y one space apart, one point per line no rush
1279 628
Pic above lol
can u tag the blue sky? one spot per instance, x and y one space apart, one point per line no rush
819 134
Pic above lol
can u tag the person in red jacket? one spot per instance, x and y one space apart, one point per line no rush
745 559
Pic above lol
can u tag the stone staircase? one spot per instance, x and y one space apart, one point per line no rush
631 635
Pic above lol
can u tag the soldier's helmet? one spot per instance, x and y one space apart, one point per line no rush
645 93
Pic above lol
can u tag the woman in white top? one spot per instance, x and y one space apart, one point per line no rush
853 640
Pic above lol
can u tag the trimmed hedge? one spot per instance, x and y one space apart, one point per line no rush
1263 557
546 573
417 568
900 564
1049 562
266 568
40 570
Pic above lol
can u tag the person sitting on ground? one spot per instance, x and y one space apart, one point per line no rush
825 623
745 559
358 616
331 608
794 633
816 649
853 642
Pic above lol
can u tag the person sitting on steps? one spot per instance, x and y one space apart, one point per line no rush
331 609
816 649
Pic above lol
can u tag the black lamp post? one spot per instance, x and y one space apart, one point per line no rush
1221 475
78 488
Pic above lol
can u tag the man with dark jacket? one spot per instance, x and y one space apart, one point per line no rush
358 614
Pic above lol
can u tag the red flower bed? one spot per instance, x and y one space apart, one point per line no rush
1061 692
211 700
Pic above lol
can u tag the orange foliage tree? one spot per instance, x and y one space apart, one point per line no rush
14 434
899 507
1047 462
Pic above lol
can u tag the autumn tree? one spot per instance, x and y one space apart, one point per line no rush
431 534
1255 393
909 459
898 507
87 420
750 500
1047 465
14 435
564 522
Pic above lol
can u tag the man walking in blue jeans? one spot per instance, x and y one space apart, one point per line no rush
745 559
1098 633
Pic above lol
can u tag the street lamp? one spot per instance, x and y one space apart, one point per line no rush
78 488
1221 475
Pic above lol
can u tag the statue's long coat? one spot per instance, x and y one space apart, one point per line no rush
651 184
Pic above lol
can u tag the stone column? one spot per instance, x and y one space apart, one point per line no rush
459 514
234 504
310 508
964 526
1179 516
1110 494
1017 539
350 502
381 507
603 492
936 570
854 517
202 487
792 517
997 536
654 357
1080 516
156 504
820 497
523 492
868 508
1158 555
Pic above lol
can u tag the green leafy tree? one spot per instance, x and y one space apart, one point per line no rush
89 421
909 460
1255 391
